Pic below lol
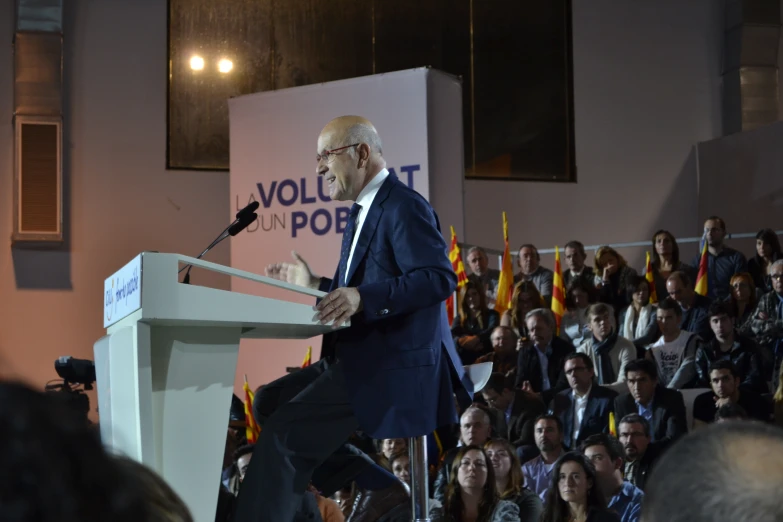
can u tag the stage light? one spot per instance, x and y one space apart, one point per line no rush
225 65
196 63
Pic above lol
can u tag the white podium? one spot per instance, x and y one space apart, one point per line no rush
165 370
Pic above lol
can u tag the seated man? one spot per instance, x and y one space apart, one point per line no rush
484 275
606 454
662 408
584 409
504 352
518 409
722 262
767 322
675 352
575 256
530 269
475 427
540 362
608 351
729 345
726 389
549 440
694 307
641 454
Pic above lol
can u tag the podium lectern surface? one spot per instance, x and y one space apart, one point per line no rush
165 369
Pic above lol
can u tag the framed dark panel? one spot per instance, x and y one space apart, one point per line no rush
514 57
522 101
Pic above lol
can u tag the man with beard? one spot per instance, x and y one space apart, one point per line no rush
549 440
640 454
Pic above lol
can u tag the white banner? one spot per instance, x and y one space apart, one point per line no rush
273 150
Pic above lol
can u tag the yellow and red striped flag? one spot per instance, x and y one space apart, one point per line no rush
455 256
648 274
308 357
506 280
701 278
558 292
251 428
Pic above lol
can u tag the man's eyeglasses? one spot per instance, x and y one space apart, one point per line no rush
776 277
329 155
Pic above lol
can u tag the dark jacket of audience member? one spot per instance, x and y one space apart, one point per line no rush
647 464
745 356
720 268
385 505
669 420
529 367
600 402
696 319
524 411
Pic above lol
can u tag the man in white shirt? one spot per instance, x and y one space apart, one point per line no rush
675 351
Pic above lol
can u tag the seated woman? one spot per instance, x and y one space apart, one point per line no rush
400 464
574 495
475 324
743 301
767 252
578 298
665 259
509 481
524 299
612 277
471 495
637 320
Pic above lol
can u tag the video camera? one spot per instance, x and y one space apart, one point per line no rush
74 373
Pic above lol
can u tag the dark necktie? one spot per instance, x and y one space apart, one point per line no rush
345 251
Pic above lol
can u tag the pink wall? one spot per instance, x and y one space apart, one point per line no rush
646 80
121 200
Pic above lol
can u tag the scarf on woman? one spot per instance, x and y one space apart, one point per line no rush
604 368
629 332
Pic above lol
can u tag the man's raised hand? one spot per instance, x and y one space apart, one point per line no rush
296 273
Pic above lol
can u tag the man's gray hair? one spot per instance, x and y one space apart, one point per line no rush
726 471
471 409
476 249
363 133
775 264
543 313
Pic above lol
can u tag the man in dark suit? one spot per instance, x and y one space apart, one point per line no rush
584 409
663 408
394 371
545 350
516 410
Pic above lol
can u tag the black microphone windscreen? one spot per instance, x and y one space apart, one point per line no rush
242 224
249 209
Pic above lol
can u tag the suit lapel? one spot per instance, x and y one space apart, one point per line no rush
370 224
590 407
657 417
568 421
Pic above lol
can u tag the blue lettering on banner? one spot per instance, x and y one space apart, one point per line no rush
320 221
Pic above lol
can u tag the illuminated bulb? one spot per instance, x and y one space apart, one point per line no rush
196 63
225 65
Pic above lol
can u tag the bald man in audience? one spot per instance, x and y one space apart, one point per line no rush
530 269
484 275
729 472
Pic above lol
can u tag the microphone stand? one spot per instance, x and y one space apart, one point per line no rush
233 229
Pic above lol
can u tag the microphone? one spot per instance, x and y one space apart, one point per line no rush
241 224
249 209
245 217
